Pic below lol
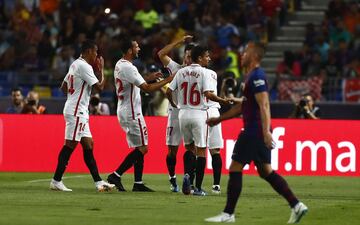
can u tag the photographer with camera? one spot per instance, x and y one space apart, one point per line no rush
96 107
31 105
229 89
306 109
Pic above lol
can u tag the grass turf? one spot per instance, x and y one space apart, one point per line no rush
26 199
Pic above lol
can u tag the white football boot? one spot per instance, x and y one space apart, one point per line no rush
58 186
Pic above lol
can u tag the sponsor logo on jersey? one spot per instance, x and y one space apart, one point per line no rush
259 82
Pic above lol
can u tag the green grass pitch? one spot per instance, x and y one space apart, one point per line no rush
26 199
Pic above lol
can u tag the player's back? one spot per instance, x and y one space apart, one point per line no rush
127 79
191 82
79 79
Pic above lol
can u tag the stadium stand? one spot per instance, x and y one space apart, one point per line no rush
39 39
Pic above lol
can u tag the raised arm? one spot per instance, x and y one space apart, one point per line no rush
99 73
163 53
155 86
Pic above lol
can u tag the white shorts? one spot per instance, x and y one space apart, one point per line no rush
173 134
215 139
193 126
135 129
76 127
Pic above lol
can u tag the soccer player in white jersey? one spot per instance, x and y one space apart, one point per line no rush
173 135
215 140
128 83
78 84
192 84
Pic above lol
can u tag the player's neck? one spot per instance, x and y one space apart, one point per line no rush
128 57
86 58
253 66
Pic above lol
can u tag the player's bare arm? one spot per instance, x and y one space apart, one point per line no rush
234 111
99 73
237 100
169 97
155 86
153 76
262 99
163 53
64 87
213 97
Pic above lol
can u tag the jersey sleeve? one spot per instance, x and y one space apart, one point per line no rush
207 82
134 77
87 74
259 82
173 66
173 83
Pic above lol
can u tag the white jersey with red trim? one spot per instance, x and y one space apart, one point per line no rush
190 83
80 78
127 82
173 68
213 82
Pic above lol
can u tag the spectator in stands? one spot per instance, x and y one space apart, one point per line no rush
310 34
32 105
322 47
352 17
332 68
96 107
305 109
148 17
343 54
336 8
271 9
17 102
168 15
113 29
338 33
62 62
289 67
68 33
315 66
352 70
225 31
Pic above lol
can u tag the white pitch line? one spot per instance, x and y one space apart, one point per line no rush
68 177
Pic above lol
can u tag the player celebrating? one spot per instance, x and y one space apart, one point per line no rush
255 141
128 83
192 85
173 136
77 84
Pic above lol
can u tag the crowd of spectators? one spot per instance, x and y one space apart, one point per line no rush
39 35
331 50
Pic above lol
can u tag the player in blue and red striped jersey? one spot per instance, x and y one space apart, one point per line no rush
255 141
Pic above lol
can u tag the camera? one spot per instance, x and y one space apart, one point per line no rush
31 102
229 85
303 102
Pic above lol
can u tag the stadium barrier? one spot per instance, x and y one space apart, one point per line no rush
31 143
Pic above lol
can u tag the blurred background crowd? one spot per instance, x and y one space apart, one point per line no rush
39 39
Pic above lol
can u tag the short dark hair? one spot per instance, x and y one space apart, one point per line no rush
15 90
189 46
126 44
87 44
198 51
